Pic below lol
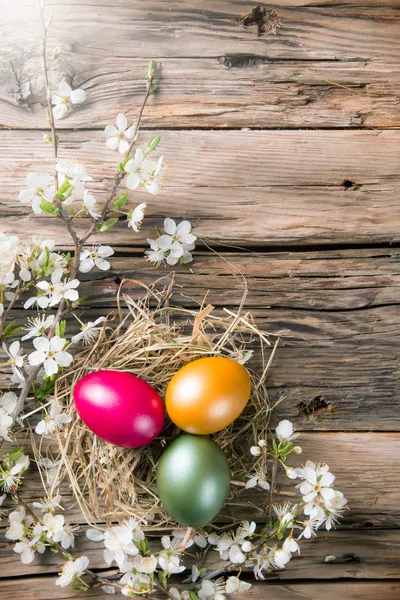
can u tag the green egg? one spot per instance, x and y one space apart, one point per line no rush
193 480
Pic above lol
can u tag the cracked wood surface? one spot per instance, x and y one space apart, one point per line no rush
330 66
238 187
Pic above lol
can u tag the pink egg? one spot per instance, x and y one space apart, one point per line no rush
119 407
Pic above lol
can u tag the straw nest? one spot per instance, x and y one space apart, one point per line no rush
153 340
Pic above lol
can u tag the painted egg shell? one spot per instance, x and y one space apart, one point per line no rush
207 394
119 407
193 480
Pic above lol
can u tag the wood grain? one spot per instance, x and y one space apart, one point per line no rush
358 555
233 91
367 473
158 29
330 65
43 588
254 188
338 311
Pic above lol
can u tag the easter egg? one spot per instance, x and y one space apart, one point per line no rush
207 394
119 407
193 480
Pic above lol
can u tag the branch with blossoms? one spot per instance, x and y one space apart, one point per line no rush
144 570
37 276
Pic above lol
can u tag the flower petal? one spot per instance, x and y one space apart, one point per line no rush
112 143
78 96
121 122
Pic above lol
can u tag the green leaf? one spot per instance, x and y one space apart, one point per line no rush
60 328
152 68
16 454
11 330
193 595
121 201
108 223
45 389
48 207
153 143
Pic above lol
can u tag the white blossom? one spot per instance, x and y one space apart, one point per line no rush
120 541
284 431
309 528
54 420
48 504
89 332
37 326
169 559
136 583
279 558
73 172
120 136
137 169
180 233
157 253
19 520
234 585
53 525
259 480
58 289
212 590
290 545
95 257
50 353
65 98
155 180
40 186
172 247
15 358
26 549
73 568
318 480
136 216
145 564
179 595
90 204
8 402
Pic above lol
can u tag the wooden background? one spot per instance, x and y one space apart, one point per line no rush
284 152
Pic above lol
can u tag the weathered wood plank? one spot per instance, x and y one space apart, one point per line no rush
43 588
339 280
359 555
338 309
334 32
258 187
236 90
367 473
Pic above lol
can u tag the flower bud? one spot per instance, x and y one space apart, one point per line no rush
247 546
297 450
46 138
262 443
255 450
291 473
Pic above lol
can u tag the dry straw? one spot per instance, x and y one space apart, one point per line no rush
153 340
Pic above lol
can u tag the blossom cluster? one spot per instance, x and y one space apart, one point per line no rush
144 569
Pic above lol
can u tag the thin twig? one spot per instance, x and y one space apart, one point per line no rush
271 491
60 550
50 116
78 243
